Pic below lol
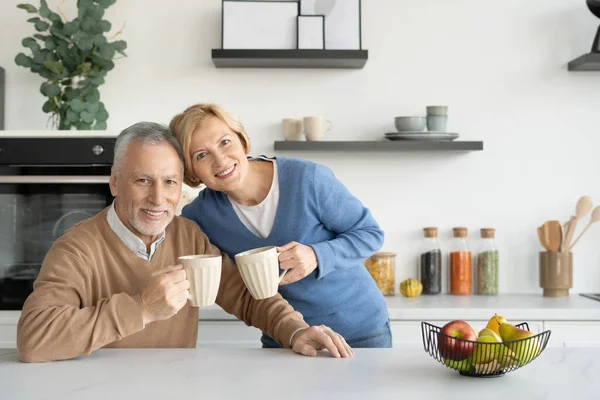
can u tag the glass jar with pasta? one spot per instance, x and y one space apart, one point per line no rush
381 266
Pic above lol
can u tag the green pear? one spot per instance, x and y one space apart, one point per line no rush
487 347
524 350
462 365
489 332
506 358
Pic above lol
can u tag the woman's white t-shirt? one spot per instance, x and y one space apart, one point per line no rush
259 219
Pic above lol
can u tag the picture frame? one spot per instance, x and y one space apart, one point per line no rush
311 32
251 24
343 29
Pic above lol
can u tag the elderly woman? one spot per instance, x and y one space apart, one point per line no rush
322 231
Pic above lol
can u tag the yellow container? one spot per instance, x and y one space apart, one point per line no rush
381 266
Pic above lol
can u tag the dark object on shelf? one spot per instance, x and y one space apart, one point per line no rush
303 58
591 60
2 91
380 145
586 62
594 6
512 354
593 296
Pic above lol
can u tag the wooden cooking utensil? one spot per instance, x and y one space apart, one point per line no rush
564 233
542 237
567 233
583 207
595 218
553 235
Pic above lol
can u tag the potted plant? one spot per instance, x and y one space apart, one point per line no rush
73 57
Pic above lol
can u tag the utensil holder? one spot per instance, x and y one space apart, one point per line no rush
556 273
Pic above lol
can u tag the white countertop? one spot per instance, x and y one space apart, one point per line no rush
513 306
243 374
443 307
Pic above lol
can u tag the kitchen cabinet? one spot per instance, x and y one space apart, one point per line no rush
232 334
211 334
405 334
573 333
8 329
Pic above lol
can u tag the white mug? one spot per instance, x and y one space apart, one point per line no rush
292 128
259 269
204 273
314 128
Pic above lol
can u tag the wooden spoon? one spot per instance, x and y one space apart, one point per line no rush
542 237
595 218
565 227
583 207
567 233
553 235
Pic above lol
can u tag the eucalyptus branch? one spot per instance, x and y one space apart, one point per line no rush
120 31
61 12
66 53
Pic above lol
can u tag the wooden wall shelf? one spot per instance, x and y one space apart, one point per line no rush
380 146
243 58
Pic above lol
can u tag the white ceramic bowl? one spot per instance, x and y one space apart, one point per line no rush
410 124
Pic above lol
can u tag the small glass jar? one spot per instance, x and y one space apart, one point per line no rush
381 266
460 263
430 262
487 263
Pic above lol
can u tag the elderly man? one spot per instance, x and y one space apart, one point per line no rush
113 282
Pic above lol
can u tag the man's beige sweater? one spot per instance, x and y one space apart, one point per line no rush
87 296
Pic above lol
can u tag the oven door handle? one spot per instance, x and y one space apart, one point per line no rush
60 179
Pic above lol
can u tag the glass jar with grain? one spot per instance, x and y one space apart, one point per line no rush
460 263
381 266
487 263
430 262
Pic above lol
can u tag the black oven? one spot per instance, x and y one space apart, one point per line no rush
47 184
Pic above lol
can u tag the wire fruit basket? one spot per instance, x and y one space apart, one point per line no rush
482 359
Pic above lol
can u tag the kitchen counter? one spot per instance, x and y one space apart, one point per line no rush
516 306
395 374
473 307
446 307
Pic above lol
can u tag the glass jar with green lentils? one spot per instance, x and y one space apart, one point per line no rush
487 263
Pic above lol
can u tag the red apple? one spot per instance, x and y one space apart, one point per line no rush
453 349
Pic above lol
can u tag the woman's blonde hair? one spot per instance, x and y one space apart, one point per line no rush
184 124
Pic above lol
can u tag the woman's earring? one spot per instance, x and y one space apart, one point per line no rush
194 179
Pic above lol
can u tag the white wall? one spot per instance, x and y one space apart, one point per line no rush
500 66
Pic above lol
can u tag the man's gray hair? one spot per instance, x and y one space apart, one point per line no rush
146 133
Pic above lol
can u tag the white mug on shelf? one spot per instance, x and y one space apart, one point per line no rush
314 128
292 129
